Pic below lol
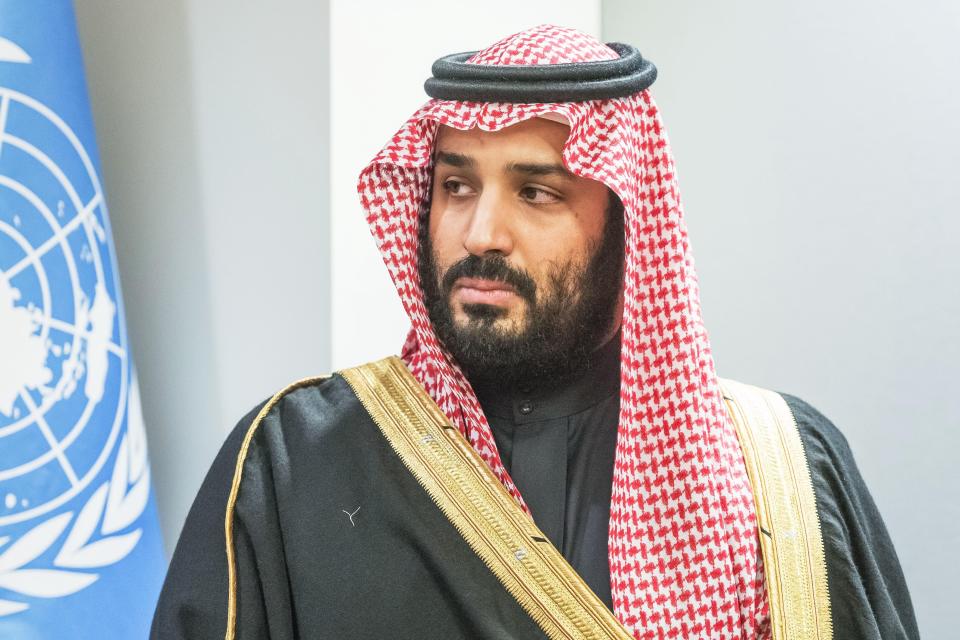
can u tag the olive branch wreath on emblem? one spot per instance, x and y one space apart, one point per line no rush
118 503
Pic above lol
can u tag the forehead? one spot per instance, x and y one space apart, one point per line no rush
534 139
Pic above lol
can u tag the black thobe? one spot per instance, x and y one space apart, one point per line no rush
559 444
333 536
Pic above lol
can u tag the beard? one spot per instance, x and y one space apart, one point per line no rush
566 316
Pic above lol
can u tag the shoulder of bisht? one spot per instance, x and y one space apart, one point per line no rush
791 539
251 432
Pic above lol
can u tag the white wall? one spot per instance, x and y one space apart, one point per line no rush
261 81
818 148
380 55
212 120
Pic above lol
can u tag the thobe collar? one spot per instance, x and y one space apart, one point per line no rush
526 404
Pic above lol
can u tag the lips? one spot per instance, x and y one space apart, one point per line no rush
481 291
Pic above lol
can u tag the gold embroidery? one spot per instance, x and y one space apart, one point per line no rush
232 500
478 506
790 536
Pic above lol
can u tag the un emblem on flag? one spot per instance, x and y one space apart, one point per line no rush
74 476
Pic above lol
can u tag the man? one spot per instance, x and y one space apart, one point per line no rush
553 454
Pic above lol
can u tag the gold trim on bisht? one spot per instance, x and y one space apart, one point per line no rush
479 507
232 500
790 537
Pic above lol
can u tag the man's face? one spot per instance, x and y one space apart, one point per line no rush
512 243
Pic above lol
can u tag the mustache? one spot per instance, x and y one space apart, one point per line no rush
493 267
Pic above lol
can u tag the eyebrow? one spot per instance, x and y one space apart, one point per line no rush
538 169
455 159
462 161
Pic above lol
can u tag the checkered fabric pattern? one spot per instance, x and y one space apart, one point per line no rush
684 554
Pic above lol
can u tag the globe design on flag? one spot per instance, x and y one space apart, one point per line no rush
64 371
78 533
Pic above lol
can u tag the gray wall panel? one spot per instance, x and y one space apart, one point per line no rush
818 147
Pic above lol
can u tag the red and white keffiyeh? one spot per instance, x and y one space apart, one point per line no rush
684 556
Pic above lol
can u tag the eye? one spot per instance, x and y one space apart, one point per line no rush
536 195
457 188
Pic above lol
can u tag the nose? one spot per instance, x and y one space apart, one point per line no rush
489 228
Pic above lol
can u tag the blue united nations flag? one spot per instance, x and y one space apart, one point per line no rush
80 549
